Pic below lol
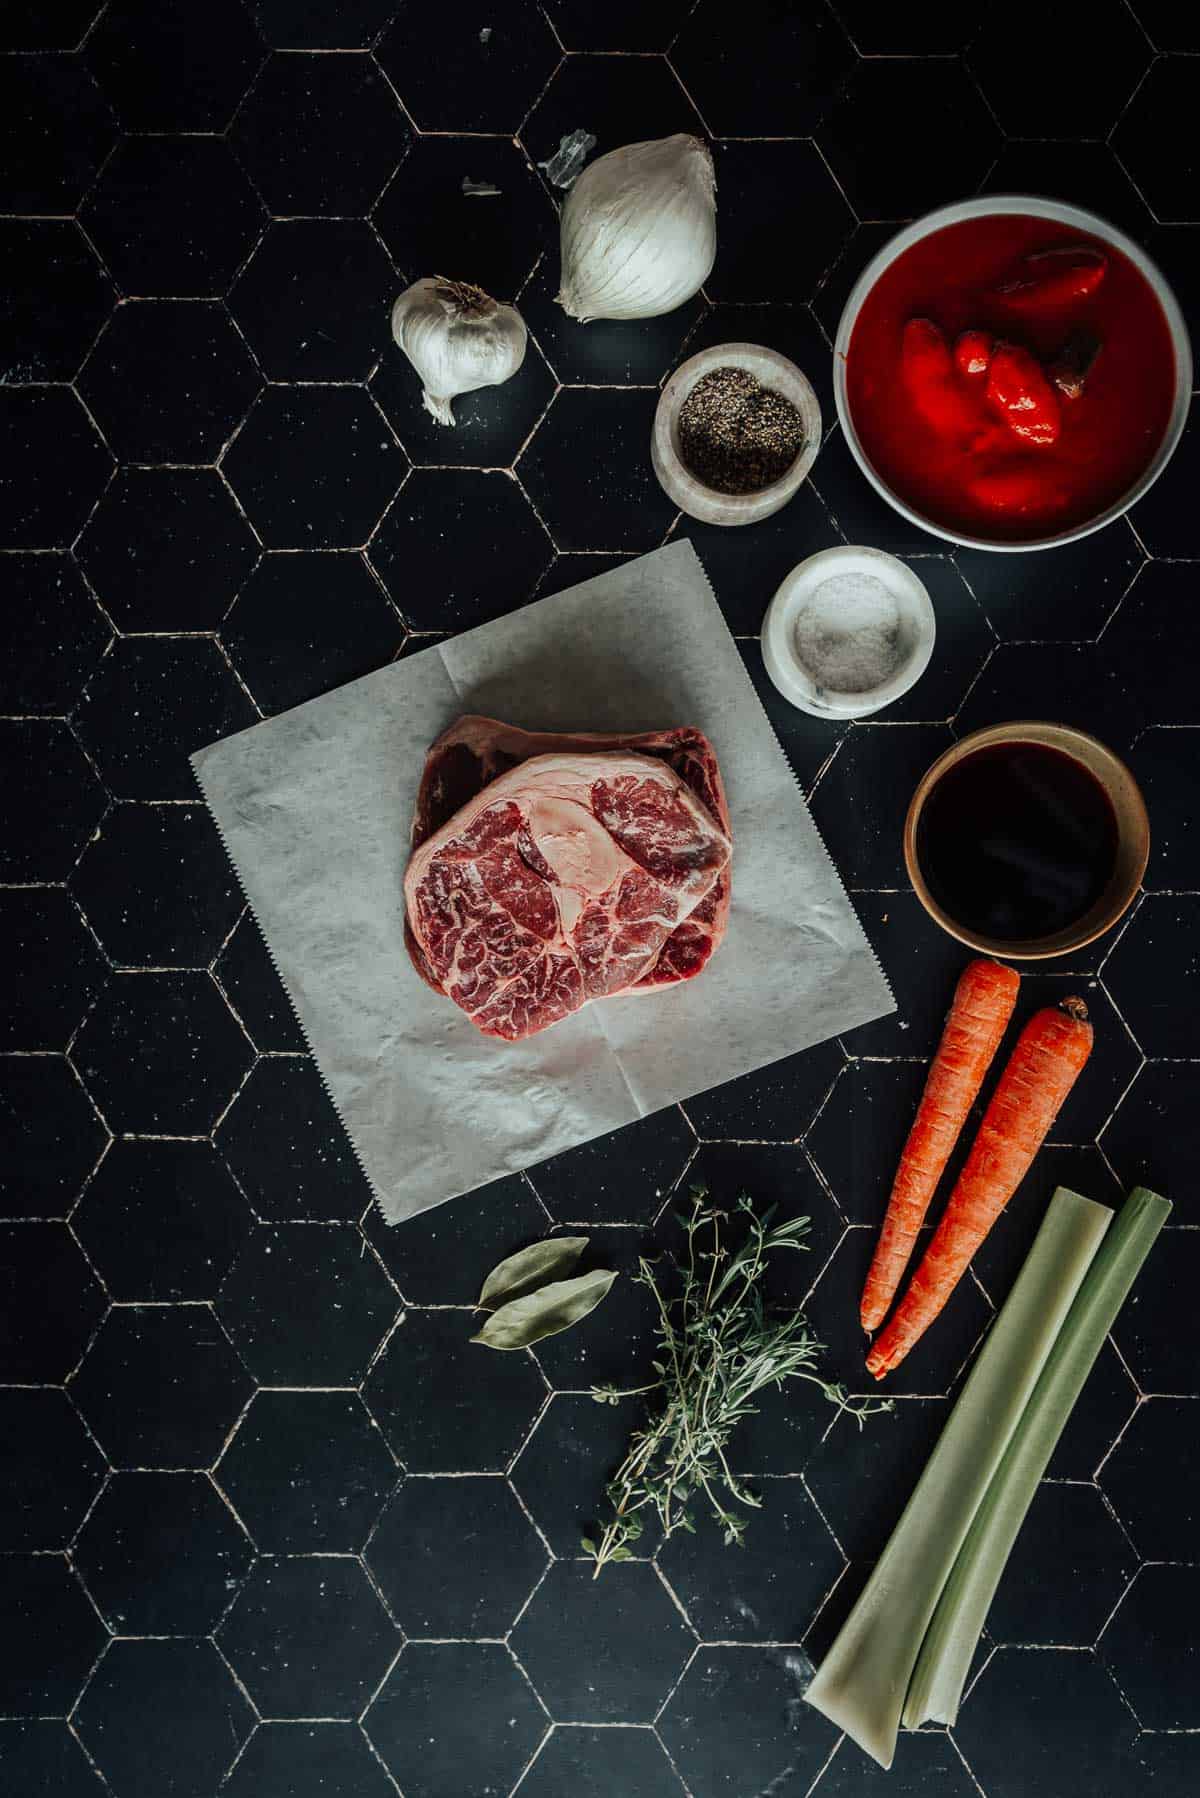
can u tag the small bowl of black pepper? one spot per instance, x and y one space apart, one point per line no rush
736 431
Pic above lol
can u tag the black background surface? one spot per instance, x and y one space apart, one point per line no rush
270 1526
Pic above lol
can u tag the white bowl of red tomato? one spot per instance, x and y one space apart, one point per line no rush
1012 373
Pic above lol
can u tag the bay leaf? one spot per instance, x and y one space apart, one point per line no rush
552 1308
530 1268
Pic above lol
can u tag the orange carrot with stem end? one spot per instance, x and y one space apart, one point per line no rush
978 1017
1042 1069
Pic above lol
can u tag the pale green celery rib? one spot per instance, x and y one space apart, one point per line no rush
949 1646
862 1682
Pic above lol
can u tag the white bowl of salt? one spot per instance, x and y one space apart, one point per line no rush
848 632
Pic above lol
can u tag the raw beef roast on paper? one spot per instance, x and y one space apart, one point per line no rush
562 879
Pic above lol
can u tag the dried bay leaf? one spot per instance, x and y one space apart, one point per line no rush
530 1268
552 1308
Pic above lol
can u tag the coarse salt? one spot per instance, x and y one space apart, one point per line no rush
849 633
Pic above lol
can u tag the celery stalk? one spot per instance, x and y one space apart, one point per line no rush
949 1645
862 1682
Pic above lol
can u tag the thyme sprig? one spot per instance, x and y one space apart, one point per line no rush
720 1347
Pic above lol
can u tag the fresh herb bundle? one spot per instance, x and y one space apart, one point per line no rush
721 1347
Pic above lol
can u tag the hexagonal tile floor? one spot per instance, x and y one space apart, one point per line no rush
272 1525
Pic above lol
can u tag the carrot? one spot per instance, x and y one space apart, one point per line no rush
978 1017
1042 1069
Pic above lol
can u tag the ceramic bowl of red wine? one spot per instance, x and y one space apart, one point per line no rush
1027 840
1012 373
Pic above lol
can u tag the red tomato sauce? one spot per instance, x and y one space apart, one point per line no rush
965 467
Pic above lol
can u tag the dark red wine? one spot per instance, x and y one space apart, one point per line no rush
1017 841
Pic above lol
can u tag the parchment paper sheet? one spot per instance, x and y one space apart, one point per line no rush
315 807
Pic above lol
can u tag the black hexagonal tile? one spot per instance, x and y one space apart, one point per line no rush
1154 975
776 1105
778 1174
1163 1360
1076 683
304 624
54 301
858 512
861 1476
307 1472
160 1386
415 1722
490 425
922 965
1087 173
807 742
41 1755
1174 249
52 1136
313 300
314 467
432 227
441 569
1065 594
308 1636
1082 1169
606 352
162 1054
861 798
320 134
157 886
420 1555
1150 1648
57 131
50 1471
737 1723
167 549
926 1763
1069 1567
54 800
51 1304
443 1256
574 567
169 380
1154 1488
286 1145
964 642
1095 1423
620 1333
890 175
935 29
55 468
563 1469
604 1650
162 1554
749 265
284 1757
857 1139
1150 137
831 295
307 1305
1029 97
151 704
254 991
1162 760
51 1636
163 1716
1170 1762
591 1763
173 215
52 635
746 569
474 71
28 26
46 936
1161 522
320 24
774 76
447 1404
1076 1736
769 1589
1151 640
164 69
623 102
624 25
161 1220
623 1177
1111 1066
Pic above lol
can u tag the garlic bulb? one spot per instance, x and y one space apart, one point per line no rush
639 230
457 339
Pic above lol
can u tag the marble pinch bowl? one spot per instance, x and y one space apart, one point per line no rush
681 485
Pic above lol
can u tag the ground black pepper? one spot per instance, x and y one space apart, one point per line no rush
736 435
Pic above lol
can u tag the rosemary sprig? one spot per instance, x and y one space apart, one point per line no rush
720 1347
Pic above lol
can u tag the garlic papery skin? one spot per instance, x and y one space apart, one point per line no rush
639 230
458 339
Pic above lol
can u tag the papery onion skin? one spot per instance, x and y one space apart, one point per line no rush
638 231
